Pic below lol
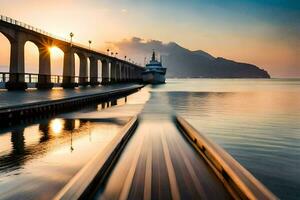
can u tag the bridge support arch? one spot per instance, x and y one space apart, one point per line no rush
69 69
93 71
123 73
105 72
16 68
113 72
83 71
131 74
44 77
118 73
126 73
17 61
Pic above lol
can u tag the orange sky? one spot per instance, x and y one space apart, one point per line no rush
244 37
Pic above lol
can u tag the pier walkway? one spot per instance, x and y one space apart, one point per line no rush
18 106
16 98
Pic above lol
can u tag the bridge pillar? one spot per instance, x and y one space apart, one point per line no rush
93 71
139 75
125 73
129 73
132 75
44 77
69 69
105 72
83 73
16 69
113 71
118 73
121 68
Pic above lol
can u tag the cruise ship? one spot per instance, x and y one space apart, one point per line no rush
154 73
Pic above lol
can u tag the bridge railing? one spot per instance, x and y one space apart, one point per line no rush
29 27
36 78
32 28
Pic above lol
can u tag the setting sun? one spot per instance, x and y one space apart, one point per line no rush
55 51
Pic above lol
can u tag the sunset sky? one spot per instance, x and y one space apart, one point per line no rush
262 32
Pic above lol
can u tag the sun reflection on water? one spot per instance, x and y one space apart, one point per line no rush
77 124
56 126
42 155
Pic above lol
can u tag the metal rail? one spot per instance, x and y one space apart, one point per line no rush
34 77
28 27
237 180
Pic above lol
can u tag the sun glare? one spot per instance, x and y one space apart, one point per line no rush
56 126
55 51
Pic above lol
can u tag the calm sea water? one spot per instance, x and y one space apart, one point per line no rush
256 121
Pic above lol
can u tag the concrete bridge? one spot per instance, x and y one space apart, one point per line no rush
114 70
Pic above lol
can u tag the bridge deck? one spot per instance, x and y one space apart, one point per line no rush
15 98
158 163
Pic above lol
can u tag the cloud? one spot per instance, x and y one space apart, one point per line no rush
124 11
139 48
139 44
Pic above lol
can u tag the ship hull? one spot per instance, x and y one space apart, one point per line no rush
153 77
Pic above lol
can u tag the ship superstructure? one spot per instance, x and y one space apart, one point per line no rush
154 71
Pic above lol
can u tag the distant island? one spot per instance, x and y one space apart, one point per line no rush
183 63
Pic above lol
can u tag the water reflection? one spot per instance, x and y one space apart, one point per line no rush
24 150
56 126
42 156
18 141
111 103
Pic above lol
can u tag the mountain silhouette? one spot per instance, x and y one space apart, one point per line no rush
184 63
